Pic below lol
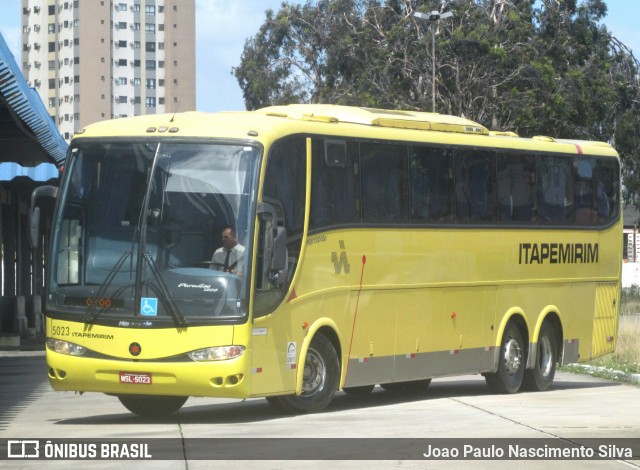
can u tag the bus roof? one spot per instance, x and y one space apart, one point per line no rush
377 117
272 122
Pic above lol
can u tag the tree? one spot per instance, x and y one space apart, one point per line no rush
548 67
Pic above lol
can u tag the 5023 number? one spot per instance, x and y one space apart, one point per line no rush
60 330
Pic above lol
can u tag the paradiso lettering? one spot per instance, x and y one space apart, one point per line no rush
557 253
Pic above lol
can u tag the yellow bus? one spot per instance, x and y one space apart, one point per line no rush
369 247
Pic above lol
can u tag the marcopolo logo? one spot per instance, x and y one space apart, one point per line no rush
23 449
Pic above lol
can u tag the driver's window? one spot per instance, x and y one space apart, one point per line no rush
284 188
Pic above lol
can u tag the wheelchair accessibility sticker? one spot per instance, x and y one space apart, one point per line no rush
149 306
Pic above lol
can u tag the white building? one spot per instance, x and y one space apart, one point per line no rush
92 60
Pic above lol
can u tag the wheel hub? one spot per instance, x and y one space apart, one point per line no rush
314 373
512 356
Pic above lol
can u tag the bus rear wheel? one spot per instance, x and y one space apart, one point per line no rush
541 376
320 380
152 406
511 363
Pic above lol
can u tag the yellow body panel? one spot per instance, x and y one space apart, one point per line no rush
224 379
155 343
386 294
605 326
162 354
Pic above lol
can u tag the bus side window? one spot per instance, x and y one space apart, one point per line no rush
334 189
516 188
607 190
586 212
384 185
431 180
475 186
555 189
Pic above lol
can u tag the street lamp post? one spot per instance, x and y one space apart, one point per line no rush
433 18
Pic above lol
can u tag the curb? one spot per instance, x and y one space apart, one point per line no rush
4 354
631 378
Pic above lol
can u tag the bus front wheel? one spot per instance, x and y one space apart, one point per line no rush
152 406
541 376
511 363
321 376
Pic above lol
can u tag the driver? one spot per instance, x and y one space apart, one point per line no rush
230 256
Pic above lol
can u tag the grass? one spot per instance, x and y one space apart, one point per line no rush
630 301
625 359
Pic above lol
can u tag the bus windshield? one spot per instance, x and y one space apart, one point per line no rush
137 228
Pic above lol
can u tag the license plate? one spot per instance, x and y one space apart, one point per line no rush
141 378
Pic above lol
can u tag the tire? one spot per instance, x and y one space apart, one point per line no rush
152 406
540 378
511 363
321 377
410 386
358 391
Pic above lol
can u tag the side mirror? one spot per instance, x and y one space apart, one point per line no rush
34 226
34 218
274 245
279 256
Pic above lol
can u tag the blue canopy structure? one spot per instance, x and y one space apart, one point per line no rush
31 151
28 135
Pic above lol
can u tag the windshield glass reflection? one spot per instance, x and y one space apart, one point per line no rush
141 229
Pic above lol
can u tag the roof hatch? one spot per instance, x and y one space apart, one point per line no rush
376 117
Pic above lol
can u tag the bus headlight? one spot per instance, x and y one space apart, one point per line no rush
219 353
65 347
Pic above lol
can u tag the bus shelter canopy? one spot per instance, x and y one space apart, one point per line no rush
28 135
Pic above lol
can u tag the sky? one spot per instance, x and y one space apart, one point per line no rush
223 26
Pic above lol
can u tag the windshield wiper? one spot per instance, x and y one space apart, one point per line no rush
141 228
164 292
90 316
144 256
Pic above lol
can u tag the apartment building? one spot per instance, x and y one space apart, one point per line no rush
91 60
